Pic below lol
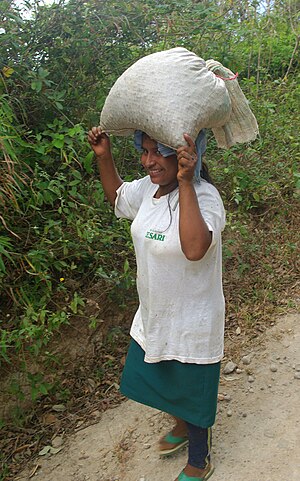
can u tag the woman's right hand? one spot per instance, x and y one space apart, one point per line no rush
100 143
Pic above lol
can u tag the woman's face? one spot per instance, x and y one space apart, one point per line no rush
162 170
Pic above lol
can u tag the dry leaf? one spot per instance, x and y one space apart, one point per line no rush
45 450
49 418
59 408
49 449
54 450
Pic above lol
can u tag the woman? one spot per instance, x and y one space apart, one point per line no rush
173 363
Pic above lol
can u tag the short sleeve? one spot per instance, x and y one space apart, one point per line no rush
212 209
130 196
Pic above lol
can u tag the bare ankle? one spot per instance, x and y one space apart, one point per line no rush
180 428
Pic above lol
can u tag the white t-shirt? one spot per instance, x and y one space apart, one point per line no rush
182 309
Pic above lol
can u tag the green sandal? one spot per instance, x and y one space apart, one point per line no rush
184 477
178 441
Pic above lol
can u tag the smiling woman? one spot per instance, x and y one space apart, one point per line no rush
162 170
173 362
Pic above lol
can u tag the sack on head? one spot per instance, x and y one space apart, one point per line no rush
166 94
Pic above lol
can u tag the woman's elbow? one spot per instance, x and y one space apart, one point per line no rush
196 251
195 254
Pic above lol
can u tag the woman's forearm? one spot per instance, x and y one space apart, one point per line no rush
109 176
195 237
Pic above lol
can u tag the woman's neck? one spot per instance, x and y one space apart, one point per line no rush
165 189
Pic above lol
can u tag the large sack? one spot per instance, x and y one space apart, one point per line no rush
166 94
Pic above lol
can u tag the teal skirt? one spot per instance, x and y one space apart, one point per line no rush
185 390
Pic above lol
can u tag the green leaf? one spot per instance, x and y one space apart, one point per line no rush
88 162
43 389
2 266
7 71
35 393
126 266
59 106
37 85
43 73
59 143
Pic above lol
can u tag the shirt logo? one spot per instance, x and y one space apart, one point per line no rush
155 236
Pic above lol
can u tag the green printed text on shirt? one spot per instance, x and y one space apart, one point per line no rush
155 236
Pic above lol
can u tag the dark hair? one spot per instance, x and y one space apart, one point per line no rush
205 173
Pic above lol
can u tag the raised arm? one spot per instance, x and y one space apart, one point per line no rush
195 237
109 176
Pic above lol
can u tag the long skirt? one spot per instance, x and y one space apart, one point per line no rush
187 391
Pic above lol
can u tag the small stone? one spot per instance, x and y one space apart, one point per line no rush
244 415
297 375
238 370
251 390
273 368
250 379
221 397
297 367
246 360
227 397
57 441
229 368
84 456
229 413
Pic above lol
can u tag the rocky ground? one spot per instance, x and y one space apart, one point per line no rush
256 436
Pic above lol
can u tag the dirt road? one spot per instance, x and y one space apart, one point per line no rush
256 436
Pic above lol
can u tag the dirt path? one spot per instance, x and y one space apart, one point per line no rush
256 436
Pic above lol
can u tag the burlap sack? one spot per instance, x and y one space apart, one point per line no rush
166 94
172 92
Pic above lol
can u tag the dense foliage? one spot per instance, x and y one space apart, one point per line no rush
57 234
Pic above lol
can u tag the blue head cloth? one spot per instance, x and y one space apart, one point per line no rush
166 151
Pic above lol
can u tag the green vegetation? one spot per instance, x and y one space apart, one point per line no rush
58 236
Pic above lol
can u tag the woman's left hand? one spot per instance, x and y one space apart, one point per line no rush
187 160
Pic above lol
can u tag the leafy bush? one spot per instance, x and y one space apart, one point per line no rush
56 228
